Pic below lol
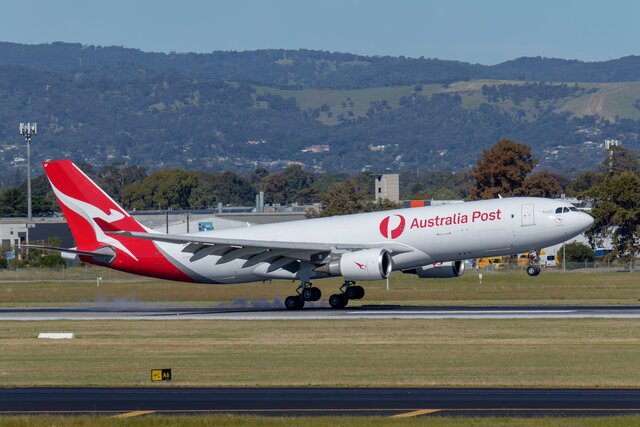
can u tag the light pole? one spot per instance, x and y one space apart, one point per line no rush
28 130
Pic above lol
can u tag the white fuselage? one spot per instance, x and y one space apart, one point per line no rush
430 234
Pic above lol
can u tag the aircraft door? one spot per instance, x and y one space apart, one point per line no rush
527 215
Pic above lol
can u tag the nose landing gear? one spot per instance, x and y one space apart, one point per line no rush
533 269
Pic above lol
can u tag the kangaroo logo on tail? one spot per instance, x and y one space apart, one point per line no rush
90 203
90 213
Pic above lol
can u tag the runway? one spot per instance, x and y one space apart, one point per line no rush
252 312
404 402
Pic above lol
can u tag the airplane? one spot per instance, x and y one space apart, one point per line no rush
430 242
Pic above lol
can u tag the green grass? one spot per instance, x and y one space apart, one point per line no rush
252 421
354 352
611 100
496 289
361 99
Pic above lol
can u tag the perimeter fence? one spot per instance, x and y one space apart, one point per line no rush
85 272
585 266
92 273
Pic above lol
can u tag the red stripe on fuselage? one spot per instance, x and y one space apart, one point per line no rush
151 262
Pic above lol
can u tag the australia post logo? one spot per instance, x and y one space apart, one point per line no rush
392 226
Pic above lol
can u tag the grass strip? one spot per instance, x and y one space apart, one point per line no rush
495 289
357 352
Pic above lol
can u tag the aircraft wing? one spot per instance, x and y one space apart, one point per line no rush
194 244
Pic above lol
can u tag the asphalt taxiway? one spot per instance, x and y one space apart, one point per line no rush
318 312
399 402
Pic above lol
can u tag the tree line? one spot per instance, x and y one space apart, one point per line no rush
505 169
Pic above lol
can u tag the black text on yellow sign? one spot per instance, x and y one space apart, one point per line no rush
161 375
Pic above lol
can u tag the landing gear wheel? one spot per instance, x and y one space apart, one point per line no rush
354 292
338 301
294 302
360 292
533 270
311 294
538 270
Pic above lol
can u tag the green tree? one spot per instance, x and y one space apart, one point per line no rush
585 182
13 203
349 197
620 159
341 199
3 256
258 175
47 259
305 196
502 169
444 193
169 189
43 201
577 252
115 177
382 205
542 184
226 188
616 212
283 187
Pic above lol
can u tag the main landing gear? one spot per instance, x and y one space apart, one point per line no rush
306 292
348 290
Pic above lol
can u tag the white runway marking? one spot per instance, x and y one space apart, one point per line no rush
233 313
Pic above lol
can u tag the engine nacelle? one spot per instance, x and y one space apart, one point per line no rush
366 264
440 270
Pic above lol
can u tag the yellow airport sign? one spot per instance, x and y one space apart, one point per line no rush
161 375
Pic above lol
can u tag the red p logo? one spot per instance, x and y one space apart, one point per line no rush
392 226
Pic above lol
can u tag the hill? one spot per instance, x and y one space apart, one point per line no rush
306 68
328 111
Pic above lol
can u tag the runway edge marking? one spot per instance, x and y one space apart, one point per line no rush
416 413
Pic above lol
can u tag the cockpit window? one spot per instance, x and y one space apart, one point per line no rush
559 210
565 210
573 209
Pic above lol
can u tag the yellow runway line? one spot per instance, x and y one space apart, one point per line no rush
416 413
133 414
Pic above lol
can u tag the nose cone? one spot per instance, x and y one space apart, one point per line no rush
585 221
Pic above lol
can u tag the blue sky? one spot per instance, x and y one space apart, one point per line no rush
483 31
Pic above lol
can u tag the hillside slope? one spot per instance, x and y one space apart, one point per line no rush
328 111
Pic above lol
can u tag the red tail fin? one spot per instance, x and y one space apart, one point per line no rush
91 213
89 210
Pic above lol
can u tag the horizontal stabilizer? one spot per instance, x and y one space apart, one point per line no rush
105 253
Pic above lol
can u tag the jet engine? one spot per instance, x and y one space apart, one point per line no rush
366 264
440 270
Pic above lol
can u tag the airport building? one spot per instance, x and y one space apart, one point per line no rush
388 187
